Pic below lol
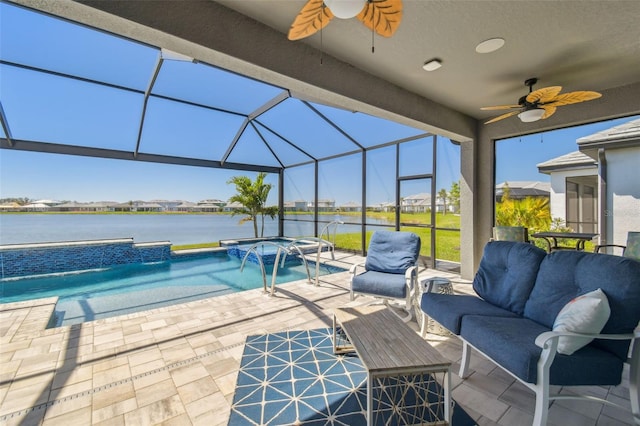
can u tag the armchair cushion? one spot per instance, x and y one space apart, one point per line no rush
392 252
507 274
511 343
380 284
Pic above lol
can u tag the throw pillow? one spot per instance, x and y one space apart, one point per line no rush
587 313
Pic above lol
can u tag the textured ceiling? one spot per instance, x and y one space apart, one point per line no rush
580 45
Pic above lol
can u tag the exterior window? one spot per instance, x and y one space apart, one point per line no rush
582 202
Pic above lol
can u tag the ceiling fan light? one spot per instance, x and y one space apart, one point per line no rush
345 9
531 115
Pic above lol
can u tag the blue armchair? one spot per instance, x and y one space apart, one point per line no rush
390 271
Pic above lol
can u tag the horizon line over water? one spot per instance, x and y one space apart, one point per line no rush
178 229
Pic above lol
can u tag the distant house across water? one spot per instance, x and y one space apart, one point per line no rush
350 206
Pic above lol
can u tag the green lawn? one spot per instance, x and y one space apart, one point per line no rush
447 242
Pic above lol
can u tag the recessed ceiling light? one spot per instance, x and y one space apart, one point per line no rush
490 45
432 65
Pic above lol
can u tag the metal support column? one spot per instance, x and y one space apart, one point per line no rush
433 201
363 216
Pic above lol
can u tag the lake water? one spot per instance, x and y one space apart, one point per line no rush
177 228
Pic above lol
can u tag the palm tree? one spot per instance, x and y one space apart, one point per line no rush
531 212
454 196
442 194
252 196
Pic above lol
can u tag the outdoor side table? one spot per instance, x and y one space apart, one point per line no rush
431 285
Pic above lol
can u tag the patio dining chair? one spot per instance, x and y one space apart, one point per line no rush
390 270
511 233
631 250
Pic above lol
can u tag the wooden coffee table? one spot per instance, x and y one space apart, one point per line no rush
397 360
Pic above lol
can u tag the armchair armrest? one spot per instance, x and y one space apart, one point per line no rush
353 268
411 279
410 273
597 248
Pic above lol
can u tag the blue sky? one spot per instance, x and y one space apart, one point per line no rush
63 177
50 108
53 109
40 175
516 158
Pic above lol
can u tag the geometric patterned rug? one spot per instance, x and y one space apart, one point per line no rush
294 378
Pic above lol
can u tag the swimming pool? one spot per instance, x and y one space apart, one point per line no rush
90 295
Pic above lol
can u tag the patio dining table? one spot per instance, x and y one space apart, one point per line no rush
552 239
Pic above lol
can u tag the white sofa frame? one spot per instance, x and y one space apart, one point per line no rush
548 341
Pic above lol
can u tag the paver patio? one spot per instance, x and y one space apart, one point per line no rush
178 365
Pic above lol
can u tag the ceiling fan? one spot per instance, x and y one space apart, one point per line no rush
542 103
381 16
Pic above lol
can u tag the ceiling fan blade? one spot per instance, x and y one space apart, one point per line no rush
544 95
311 19
502 117
382 16
498 107
573 98
548 111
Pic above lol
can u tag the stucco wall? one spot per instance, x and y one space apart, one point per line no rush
623 194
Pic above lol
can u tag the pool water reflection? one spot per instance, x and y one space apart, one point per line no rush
91 295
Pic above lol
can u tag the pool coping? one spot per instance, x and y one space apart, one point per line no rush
67 244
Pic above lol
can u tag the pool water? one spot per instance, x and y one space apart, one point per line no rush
91 295
269 250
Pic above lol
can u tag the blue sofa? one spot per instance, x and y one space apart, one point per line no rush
520 291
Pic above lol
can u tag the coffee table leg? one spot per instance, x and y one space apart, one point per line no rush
334 335
341 343
369 399
447 395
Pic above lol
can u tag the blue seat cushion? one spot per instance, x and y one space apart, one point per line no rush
511 343
392 252
380 284
564 275
507 274
448 309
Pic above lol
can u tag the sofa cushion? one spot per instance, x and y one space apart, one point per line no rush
380 284
448 309
507 273
511 343
587 314
564 275
392 252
